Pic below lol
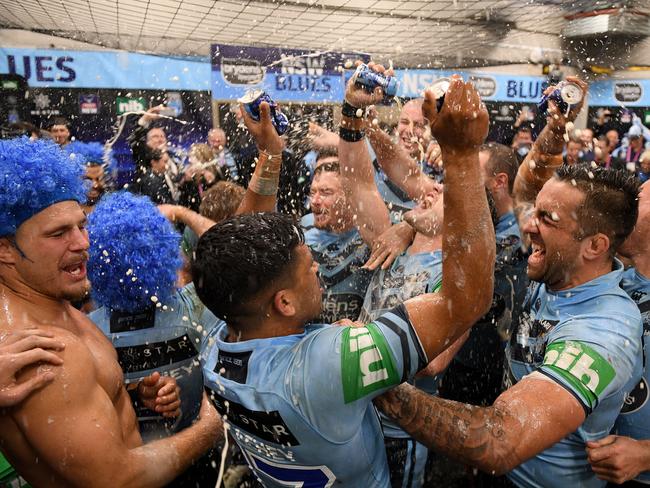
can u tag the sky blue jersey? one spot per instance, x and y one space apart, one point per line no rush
164 340
340 257
588 340
300 406
634 420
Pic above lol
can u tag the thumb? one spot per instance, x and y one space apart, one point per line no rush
265 113
151 380
605 441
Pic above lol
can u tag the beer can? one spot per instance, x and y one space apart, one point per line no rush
370 79
566 95
439 89
251 101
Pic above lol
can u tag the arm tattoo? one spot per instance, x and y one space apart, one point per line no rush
475 435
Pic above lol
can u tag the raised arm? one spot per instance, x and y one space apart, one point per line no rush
261 194
398 165
177 213
357 174
525 420
544 157
468 242
74 427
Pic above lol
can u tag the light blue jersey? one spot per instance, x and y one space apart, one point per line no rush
410 275
634 420
340 257
300 406
588 340
166 340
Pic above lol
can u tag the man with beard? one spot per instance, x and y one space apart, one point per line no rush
576 350
80 429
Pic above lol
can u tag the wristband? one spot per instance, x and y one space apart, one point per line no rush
352 111
264 186
350 135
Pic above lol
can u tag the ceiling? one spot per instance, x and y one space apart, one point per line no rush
409 33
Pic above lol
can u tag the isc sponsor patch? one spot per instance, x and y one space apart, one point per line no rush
367 363
582 367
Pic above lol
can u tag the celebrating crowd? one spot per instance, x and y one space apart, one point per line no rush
368 310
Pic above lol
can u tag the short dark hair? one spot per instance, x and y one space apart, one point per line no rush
242 256
611 203
502 160
327 152
60 121
332 167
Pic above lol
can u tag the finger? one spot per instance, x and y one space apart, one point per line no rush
389 260
265 113
17 335
167 389
429 109
173 414
34 341
32 356
24 389
379 258
168 406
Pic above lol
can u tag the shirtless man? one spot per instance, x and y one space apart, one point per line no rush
80 429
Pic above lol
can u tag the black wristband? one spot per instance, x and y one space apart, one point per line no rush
350 135
351 111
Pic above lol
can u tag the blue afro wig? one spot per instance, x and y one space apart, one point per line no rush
33 176
92 152
134 253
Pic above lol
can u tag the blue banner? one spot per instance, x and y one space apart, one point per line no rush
54 68
492 87
620 93
287 75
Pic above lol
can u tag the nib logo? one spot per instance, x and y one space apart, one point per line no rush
130 105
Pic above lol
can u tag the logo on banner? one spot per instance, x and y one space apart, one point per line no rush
485 85
42 104
88 104
175 103
242 71
627 92
125 104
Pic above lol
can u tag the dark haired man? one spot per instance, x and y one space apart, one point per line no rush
299 401
60 131
576 349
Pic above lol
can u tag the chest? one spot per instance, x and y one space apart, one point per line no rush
104 359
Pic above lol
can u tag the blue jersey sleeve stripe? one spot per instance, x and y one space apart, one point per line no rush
404 345
581 401
401 314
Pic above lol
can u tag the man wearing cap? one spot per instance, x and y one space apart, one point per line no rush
80 429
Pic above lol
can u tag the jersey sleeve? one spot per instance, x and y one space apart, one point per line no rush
590 360
337 371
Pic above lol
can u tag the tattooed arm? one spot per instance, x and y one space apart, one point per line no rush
525 420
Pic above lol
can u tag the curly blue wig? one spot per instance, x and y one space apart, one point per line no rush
93 152
33 176
134 253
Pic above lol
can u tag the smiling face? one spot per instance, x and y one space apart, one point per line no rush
328 202
638 241
53 251
554 234
427 216
413 130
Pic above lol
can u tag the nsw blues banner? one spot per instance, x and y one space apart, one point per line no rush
287 75
58 68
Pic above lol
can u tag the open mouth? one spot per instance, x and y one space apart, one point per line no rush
77 270
538 253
